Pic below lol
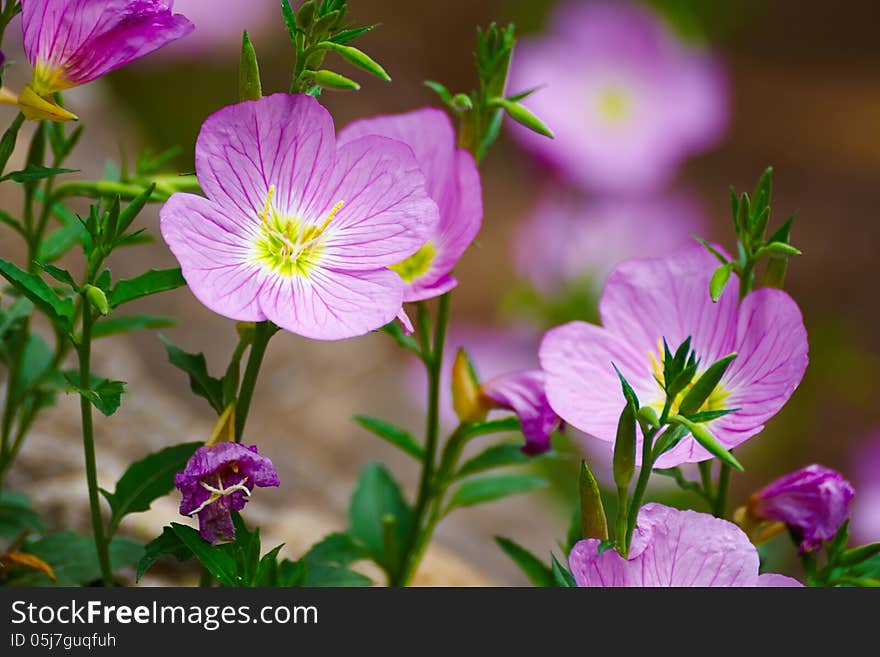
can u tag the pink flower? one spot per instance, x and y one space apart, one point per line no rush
647 301
72 42
628 101
677 549
453 182
524 394
570 242
865 525
297 229
813 501
221 30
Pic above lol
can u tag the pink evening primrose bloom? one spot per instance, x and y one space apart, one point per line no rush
217 480
524 394
297 229
674 548
453 182
220 31
813 501
628 101
568 242
645 301
72 42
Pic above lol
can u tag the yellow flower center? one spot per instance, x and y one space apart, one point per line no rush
614 105
48 79
715 402
289 246
417 264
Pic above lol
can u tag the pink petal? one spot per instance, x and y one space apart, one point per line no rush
333 305
215 256
281 140
387 214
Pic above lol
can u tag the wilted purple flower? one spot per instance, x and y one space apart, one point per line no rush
813 501
569 242
218 479
453 182
674 548
524 394
647 301
628 101
865 526
296 229
72 42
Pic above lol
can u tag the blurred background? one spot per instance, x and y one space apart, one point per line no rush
658 108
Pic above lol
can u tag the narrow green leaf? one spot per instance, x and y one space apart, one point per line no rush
35 172
562 575
58 310
60 241
630 394
488 489
148 283
859 554
536 570
497 456
127 323
398 437
711 249
705 386
440 90
200 382
346 36
702 435
130 213
60 275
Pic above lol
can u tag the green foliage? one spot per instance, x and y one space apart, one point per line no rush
491 488
201 383
400 438
17 516
151 282
537 571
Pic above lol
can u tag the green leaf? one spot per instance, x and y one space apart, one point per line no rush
35 172
376 497
58 310
628 393
357 58
503 425
440 90
708 416
219 562
496 456
60 275
350 35
779 249
74 560
562 575
200 382
36 363
129 214
116 325
538 573
249 85
711 249
105 395
702 435
332 577
60 241
705 385
489 489
338 549
331 80
167 543
859 554
398 437
17 516
151 282
147 480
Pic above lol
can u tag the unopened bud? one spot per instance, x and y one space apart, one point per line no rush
97 299
466 397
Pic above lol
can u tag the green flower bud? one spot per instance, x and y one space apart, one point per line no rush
97 299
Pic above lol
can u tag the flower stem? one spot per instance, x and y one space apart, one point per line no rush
641 487
719 509
85 382
263 332
423 522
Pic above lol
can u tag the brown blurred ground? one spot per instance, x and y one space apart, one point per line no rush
807 100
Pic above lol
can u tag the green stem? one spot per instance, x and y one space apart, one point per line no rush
85 382
719 509
706 479
641 487
416 542
263 332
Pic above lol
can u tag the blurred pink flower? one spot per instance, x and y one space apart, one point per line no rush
453 182
673 548
219 28
865 525
813 501
296 229
524 393
569 242
628 101
647 301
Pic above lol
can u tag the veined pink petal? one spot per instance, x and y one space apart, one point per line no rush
282 141
386 215
85 39
674 548
333 305
452 181
215 256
